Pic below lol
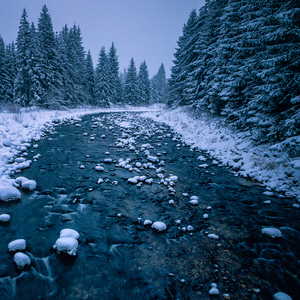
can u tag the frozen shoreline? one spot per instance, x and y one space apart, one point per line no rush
269 164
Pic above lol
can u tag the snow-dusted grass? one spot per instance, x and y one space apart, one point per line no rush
267 163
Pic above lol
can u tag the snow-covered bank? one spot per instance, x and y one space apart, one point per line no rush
24 126
269 164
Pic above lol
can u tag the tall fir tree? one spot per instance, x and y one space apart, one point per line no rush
23 83
90 78
50 78
116 88
144 84
131 89
102 80
10 72
2 70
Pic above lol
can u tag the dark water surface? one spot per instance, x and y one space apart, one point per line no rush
118 257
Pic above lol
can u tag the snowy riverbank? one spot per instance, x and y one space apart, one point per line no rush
269 164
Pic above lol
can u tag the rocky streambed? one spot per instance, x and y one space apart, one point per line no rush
110 177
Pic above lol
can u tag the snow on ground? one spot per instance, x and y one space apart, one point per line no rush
18 130
267 163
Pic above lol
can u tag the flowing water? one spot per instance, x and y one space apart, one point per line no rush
120 258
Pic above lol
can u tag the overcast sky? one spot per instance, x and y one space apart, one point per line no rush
142 29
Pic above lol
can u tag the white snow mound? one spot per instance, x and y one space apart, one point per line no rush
29 185
9 193
67 245
67 232
16 245
4 218
159 226
281 296
272 232
21 260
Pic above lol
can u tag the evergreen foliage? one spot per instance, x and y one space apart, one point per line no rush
159 86
240 59
144 84
102 80
53 70
131 88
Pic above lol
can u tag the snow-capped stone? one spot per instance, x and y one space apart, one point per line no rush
4 218
281 296
194 198
214 291
108 160
213 236
147 222
149 180
208 207
204 166
159 226
35 146
205 216
81 167
138 164
100 180
21 260
268 193
173 178
185 194
178 222
143 178
152 159
17 245
171 202
194 202
67 232
272 232
9 193
132 180
99 168
119 215
29 185
296 205
67 245
190 228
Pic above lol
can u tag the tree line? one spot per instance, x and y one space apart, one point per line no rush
53 70
240 60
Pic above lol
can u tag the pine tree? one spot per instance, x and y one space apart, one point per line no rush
23 84
102 80
162 84
116 89
144 84
10 72
90 78
2 70
50 77
131 89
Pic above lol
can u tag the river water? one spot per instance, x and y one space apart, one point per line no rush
120 258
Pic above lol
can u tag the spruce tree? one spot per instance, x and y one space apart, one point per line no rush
23 83
90 78
131 89
2 70
102 80
116 88
50 77
10 72
144 84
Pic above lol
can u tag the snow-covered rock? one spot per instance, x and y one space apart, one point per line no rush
17 245
213 236
152 159
147 222
281 296
29 185
159 226
21 260
9 193
66 245
67 232
4 218
99 168
272 232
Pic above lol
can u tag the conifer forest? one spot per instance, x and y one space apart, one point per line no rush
235 60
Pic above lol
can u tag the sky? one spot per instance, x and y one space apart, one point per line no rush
143 29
